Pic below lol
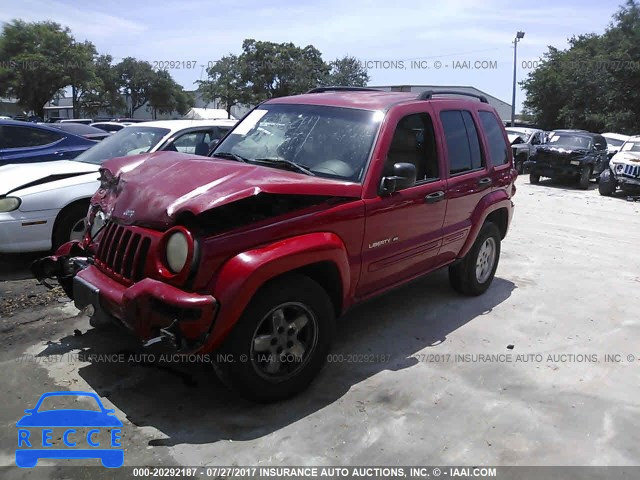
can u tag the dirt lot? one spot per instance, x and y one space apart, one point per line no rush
515 377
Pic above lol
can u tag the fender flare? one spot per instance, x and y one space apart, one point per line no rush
242 275
488 204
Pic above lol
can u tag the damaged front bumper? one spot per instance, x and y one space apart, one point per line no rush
551 169
152 309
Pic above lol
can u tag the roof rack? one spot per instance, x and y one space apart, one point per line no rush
343 89
428 94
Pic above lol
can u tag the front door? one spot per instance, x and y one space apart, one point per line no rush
403 230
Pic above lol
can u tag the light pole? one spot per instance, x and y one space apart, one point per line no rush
519 36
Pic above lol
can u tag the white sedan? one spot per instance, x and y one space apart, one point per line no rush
43 205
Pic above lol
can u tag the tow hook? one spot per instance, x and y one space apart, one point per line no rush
169 333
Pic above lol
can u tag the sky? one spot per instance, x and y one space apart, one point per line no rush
401 42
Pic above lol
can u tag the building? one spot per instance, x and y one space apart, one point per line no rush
503 108
62 108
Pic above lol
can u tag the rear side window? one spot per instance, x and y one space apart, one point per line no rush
463 147
23 137
498 149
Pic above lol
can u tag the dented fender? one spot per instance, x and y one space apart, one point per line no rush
241 276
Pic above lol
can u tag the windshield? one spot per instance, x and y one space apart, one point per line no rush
568 140
330 142
613 142
128 141
631 146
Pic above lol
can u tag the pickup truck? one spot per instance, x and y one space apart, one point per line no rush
310 205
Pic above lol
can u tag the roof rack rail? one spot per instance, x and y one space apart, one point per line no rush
343 89
428 94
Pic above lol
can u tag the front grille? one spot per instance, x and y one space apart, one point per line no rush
632 171
123 252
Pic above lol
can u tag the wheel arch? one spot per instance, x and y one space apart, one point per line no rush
321 256
68 206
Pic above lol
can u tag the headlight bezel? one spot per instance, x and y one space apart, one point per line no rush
191 251
7 209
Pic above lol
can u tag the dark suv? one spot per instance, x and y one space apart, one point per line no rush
569 154
312 204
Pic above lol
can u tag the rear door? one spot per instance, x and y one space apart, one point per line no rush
469 178
403 230
19 144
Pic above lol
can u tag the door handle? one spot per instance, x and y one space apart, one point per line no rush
434 197
59 154
485 182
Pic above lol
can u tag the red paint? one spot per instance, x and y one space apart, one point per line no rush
374 242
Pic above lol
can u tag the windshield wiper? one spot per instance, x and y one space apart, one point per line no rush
230 155
289 163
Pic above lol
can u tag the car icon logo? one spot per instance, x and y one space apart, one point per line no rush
35 432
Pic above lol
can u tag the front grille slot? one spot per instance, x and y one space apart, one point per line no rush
123 252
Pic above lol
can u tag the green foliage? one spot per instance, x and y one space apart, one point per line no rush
34 62
595 83
225 83
347 72
266 70
166 96
136 79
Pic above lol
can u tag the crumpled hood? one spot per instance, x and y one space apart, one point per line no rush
153 189
632 158
17 176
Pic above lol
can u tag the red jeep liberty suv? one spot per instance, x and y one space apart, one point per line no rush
311 204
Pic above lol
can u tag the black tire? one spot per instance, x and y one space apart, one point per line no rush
237 362
463 276
534 178
607 184
66 220
585 178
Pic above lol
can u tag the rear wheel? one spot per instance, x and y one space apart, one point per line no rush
585 178
281 341
70 224
474 274
534 178
607 184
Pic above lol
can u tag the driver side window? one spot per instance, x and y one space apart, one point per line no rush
414 142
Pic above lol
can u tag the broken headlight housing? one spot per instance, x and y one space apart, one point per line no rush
9 204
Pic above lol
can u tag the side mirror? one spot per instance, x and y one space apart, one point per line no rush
404 176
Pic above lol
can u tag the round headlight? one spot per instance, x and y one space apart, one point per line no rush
9 204
98 223
177 251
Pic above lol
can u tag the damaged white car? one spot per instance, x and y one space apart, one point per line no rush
43 205
623 171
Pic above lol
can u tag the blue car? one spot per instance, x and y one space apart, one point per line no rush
33 444
22 142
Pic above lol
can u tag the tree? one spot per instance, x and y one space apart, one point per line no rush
225 83
136 78
103 91
347 72
81 72
34 62
280 69
595 83
167 96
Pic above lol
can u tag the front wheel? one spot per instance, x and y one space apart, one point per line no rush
70 224
607 184
474 274
585 178
281 341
